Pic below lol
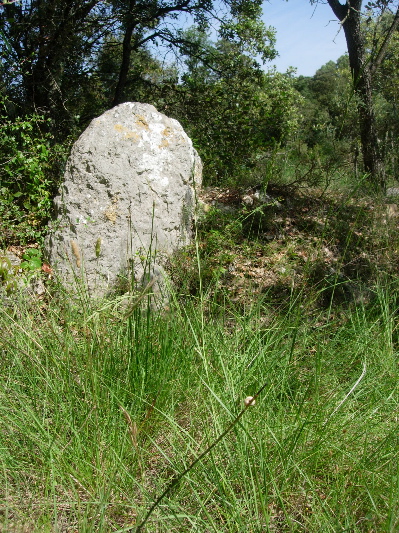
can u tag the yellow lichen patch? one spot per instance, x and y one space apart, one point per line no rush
167 132
141 122
164 143
127 134
111 213
132 135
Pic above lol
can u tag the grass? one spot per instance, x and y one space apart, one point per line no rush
100 412
115 417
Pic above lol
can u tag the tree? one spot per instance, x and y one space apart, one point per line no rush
327 107
386 88
363 68
230 107
48 46
39 41
143 22
144 80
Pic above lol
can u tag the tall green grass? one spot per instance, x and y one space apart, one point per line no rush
100 412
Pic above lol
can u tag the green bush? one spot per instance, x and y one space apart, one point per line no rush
29 171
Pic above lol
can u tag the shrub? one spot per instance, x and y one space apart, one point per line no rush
29 170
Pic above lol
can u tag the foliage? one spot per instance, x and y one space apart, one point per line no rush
8 275
146 77
15 279
29 172
50 63
32 259
232 109
363 66
44 54
329 109
385 86
327 142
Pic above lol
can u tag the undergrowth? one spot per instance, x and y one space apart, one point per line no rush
332 246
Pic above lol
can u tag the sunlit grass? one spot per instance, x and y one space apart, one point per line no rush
99 413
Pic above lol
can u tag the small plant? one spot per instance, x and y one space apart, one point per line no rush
14 277
32 259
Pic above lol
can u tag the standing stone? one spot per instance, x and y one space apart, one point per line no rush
127 199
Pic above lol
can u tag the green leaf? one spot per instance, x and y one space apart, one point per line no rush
32 258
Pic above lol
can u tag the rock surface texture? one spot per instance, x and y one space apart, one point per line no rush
127 199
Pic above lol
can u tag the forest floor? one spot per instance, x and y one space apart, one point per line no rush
331 243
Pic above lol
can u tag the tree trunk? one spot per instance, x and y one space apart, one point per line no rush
349 15
126 56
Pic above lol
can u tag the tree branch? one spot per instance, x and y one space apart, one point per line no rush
383 49
339 10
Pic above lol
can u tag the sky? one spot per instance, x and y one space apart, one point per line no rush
308 35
